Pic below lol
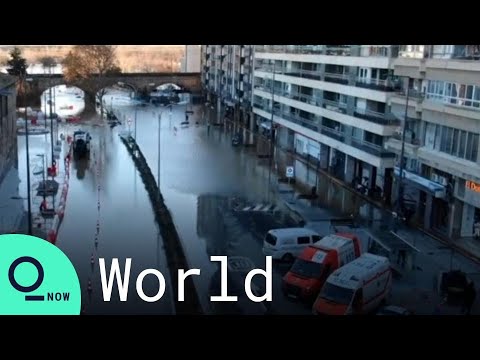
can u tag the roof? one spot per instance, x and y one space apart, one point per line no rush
352 274
332 242
298 231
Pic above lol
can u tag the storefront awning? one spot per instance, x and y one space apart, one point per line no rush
436 189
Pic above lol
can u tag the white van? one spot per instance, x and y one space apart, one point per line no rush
286 244
359 287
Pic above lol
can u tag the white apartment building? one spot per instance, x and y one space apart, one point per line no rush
331 103
227 74
442 162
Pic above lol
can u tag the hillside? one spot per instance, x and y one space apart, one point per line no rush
131 58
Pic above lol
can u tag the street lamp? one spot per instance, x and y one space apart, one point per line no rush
159 148
402 154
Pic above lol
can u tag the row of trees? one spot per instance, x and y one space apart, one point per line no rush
86 66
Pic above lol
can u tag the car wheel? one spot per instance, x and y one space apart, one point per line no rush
288 257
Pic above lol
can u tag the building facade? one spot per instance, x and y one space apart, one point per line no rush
11 207
441 161
330 103
227 74
190 62
344 106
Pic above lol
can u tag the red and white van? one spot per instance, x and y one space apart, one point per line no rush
310 270
356 288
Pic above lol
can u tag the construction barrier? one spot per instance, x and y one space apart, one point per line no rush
57 220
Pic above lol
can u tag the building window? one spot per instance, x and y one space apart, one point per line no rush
458 143
454 93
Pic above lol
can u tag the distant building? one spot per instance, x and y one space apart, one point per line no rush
190 62
11 209
227 75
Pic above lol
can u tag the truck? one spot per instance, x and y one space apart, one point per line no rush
359 287
311 269
81 144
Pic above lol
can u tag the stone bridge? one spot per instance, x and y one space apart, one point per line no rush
189 81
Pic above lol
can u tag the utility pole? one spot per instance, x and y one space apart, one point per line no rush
159 148
402 153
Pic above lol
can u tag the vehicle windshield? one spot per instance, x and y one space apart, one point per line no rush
337 294
272 240
307 269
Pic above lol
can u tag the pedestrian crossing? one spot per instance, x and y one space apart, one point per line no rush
261 208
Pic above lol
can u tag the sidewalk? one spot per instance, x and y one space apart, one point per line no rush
44 227
469 247
416 289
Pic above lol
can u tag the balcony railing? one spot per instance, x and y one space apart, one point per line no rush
370 148
408 139
412 94
376 84
334 134
335 106
338 78
376 117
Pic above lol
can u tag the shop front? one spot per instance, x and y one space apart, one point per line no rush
469 192
425 201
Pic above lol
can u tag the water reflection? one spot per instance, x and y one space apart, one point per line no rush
81 166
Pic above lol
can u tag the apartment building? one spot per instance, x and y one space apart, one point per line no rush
227 72
11 209
330 104
441 84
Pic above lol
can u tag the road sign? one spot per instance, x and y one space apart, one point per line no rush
290 172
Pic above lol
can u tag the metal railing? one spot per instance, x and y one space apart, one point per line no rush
336 77
412 94
335 106
334 134
377 84
371 148
408 139
376 117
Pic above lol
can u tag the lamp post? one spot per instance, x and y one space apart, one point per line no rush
402 153
159 146
29 196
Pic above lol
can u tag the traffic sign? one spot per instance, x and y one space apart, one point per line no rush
290 172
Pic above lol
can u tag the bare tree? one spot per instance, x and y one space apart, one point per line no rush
89 66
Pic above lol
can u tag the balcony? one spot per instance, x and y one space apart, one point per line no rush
376 117
291 49
375 84
335 106
334 134
338 78
372 149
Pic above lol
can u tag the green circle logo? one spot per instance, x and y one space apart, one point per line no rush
36 278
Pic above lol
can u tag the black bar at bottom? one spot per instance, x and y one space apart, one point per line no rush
34 298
